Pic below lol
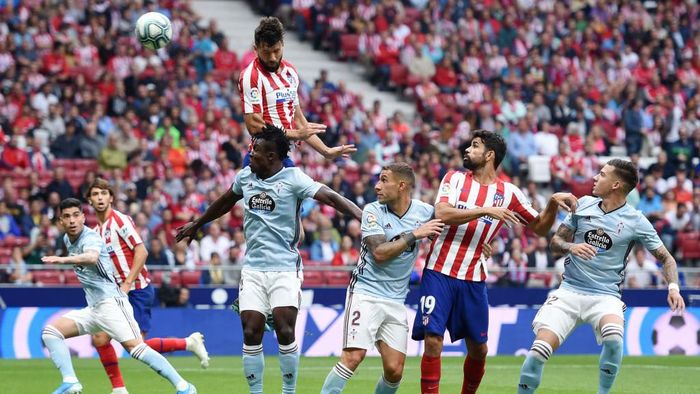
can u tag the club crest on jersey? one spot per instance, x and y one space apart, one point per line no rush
620 227
261 202
290 78
498 199
598 239
279 187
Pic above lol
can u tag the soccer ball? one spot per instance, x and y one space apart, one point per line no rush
676 334
154 30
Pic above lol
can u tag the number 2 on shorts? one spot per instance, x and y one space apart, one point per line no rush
427 304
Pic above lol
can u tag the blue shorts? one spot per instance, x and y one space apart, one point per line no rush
460 306
142 301
287 162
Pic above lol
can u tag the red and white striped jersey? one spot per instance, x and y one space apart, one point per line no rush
121 237
274 95
457 252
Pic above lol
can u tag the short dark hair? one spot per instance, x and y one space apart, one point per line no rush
492 141
275 136
402 170
99 183
627 172
269 31
70 203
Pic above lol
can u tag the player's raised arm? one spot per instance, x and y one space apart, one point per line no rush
545 220
341 204
670 270
217 209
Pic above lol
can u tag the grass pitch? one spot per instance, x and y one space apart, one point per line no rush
562 374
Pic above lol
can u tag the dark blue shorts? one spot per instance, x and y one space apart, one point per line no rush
460 306
142 301
287 162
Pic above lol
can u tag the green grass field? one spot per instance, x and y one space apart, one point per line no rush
563 374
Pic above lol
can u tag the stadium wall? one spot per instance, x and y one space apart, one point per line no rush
649 331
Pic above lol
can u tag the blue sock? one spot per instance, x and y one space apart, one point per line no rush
254 367
385 387
159 364
610 356
55 342
531 372
289 365
336 379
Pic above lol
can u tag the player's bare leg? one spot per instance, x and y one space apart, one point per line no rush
140 351
285 319
611 329
54 336
430 364
546 342
393 362
474 366
253 358
110 362
336 380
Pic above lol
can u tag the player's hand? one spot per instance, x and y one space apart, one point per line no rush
343 151
584 251
126 287
430 229
566 201
306 132
51 259
188 231
503 214
486 251
675 301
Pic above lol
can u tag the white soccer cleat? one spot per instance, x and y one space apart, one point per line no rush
195 344
69 388
120 390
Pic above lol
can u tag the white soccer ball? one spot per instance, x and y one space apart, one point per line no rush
154 30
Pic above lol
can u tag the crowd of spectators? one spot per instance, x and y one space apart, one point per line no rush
80 98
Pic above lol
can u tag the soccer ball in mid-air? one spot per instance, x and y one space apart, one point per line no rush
676 334
154 30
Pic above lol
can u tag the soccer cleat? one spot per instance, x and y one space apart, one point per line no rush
195 344
120 390
69 388
189 390
269 322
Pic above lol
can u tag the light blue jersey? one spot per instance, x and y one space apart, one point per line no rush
271 223
389 279
97 279
613 234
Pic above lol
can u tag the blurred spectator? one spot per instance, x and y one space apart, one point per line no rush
159 254
112 156
38 248
8 225
214 275
214 242
641 272
517 263
17 271
14 157
60 185
233 258
324 247
347 255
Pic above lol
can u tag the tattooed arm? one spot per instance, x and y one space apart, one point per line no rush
383 250
670 271
562 243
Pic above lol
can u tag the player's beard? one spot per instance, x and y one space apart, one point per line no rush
469 164
271 67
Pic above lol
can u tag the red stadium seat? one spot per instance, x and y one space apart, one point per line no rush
349 46
313 278
398 75
689 245
67 164
304 255
70 278
337 278
15 241
86 165
190 278
156 277
580 189
49 277
175 278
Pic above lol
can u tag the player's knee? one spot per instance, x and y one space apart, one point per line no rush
433 345
478 351
252 335
285 334
612 332
352 359
100 339
393 371
50 332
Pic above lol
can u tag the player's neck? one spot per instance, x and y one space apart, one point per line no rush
400 206
612 203
484 176
273 170
102 216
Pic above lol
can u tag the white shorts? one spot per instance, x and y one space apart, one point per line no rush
370 319
564 310
264 291
112 315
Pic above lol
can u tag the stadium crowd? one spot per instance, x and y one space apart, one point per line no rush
79 98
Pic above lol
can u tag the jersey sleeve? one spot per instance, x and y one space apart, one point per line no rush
522 206
304 186
129 234
237 186
251 96
646 234
93 242
371 221
448 191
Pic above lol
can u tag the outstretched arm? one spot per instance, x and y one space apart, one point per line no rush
545 220
217 209
670 272
341 204
89 257
456 216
